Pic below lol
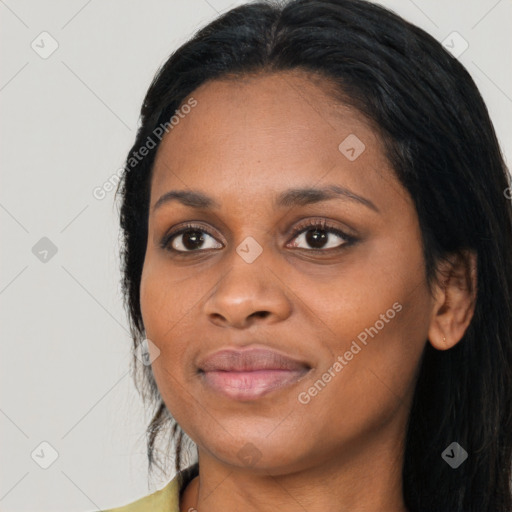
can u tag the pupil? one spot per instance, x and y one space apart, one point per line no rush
191 239
317 238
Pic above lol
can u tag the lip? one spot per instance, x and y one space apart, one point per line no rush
250 374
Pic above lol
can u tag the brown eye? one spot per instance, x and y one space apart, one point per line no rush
190 239
318 235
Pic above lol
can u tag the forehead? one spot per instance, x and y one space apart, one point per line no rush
268 132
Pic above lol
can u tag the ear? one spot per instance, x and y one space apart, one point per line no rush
454 300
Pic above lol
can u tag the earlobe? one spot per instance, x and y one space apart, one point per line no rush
454 300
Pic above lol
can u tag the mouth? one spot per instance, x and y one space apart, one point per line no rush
250 374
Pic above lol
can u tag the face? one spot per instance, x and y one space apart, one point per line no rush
331 278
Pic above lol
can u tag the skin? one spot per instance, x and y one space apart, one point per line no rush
246 141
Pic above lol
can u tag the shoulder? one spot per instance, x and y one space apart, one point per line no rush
166 499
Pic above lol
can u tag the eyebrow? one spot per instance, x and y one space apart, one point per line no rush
287 199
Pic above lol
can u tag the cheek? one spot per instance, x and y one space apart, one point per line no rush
369 379
373 293
155 300
162 306
376 319
166 299
169 305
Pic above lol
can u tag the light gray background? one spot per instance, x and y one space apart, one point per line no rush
67 124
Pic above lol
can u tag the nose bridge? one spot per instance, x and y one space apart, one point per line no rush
248 285
248 268
252 237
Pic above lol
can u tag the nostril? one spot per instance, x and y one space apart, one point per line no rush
261 314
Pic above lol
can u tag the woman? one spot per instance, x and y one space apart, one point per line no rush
317 270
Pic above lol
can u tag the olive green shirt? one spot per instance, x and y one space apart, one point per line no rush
166 499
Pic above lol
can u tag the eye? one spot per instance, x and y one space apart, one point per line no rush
316 233
319 235
189 238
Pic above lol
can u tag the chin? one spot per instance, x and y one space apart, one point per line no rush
257 453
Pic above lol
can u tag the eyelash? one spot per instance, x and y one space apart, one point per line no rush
322 225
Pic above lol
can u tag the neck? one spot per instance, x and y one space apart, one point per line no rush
351 480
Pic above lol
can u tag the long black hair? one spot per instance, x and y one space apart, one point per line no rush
442 146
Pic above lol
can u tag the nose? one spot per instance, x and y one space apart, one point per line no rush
248 293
